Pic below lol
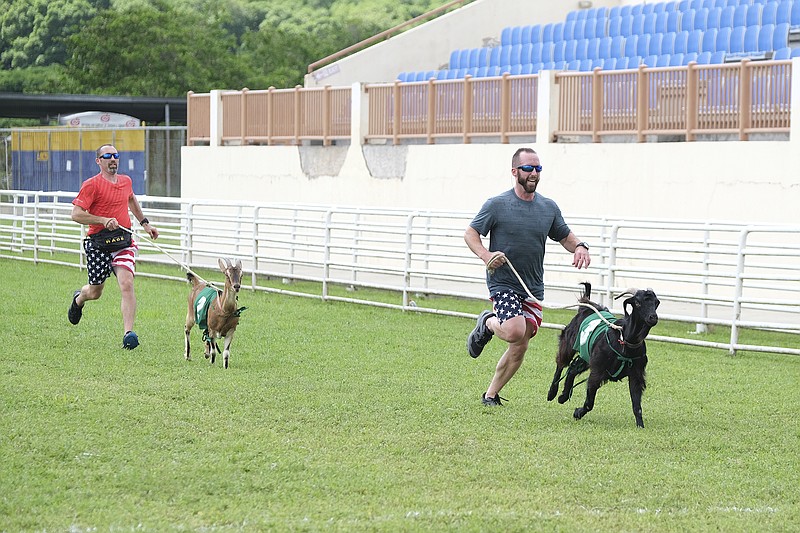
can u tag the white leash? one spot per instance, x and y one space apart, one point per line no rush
184 265
491 270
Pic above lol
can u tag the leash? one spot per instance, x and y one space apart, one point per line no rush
183 265
491 270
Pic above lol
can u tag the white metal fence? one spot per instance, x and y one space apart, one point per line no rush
705 273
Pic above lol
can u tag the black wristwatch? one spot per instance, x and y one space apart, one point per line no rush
144 221
582 244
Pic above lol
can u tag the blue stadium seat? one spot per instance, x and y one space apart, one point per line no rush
796 52
621 64
582 49
626 26
625 11
713 18
516 70
643 45
704 58
483 57
536 33
403 76
516 53
609 63
696 4
570 50
596 28
661 22
668 43
784 12
670 7
662 60
684 5
740 16
630 45
637 24
693 43
687 58
660 7
558 51
547 33
676 60
654 47
600 12
569 29
751 38
769 13
674 21
650 61
441 74
635 61
782 53
649 26
726 17
700 19
474 54
592 48
720 3
718 58
604 47
764 41
614 12
505 36
559 65
525 53
780 38
453 63
525 34
547 52
494 56
452 74
618 46
647 8
573 65
516 35
585 65
681 40
709 43
753 15
548 65
687 20
558 31
527 68
505 55
536 53
614 26
580 29
737 40
572 15
463 58
723 39
794 17
636 9
733 3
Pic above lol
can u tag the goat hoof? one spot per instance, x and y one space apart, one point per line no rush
579 412
563 398
552 394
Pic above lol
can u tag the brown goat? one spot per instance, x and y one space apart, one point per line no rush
217 312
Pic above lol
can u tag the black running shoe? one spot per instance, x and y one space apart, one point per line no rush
480 336
75 311
130 341
492 401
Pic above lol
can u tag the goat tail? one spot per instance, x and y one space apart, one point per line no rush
193 279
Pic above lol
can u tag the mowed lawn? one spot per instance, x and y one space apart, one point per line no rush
342 417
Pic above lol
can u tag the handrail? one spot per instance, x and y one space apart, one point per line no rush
383 35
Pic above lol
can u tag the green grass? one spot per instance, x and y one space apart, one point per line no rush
343 417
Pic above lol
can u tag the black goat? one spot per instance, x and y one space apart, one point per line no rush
609 354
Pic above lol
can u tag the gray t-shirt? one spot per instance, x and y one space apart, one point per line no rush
519 229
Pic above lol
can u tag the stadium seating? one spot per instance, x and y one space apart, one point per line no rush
665 33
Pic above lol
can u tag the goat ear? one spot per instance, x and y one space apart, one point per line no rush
238 264
630 301
223 264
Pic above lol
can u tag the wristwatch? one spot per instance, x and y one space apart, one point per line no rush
582 244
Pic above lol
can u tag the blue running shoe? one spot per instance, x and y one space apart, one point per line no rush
130 341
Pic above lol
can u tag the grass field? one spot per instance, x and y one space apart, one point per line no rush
341 417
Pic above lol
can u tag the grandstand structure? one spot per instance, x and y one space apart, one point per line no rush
690 122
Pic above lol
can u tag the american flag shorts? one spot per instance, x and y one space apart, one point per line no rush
100 265
508 304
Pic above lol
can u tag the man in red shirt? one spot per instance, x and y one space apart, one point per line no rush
103 203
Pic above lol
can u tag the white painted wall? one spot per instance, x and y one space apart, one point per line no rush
749 182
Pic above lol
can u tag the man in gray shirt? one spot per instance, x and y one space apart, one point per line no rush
518 223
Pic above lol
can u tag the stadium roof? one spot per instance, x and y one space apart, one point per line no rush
167 111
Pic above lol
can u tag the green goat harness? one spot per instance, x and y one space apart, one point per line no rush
590 330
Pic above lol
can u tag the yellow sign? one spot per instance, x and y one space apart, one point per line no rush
42 156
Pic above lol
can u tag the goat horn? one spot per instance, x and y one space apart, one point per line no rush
627 292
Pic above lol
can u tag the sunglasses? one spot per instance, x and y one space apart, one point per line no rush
109 156
530 168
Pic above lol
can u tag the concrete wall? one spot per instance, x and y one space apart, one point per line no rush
750 182
428 47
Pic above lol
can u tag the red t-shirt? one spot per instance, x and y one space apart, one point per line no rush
102 198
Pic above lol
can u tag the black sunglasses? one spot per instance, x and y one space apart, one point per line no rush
530 168
109 156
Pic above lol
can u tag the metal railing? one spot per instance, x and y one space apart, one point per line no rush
705 274
734 99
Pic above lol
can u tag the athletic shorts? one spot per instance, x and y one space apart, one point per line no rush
100 265
509 304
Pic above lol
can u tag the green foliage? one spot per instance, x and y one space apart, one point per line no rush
166 48
342 417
